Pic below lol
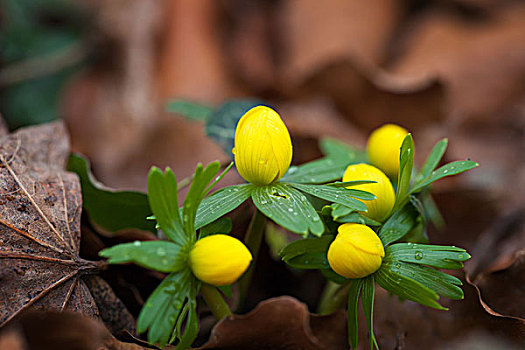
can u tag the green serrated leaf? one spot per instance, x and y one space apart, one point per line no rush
221 124
341 195
449 169
221 202
190 110
112 210
353 299
155 255
406 288
338 150
398 225
162 197
441 257
440 282
316 172
308 253
367 300
201 180
433 159
222 225
406 161
356 218
288 207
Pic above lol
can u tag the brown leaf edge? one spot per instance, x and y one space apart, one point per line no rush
281 322
486 307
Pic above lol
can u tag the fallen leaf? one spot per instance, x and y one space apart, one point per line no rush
480 61
279 323
40 226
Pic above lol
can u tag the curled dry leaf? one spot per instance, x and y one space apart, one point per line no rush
497 270
40 227
279 323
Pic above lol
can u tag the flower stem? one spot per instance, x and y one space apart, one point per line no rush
253 241
215 301
333 298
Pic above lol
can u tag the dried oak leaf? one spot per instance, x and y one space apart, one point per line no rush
280 323
40 231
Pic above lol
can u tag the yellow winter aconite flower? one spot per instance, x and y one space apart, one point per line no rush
378 208
383 148
219 259
356 252
263 148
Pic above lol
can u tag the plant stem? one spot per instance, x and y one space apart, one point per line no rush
333 298
253 241
215 301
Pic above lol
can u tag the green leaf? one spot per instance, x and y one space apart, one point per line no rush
432 211
276 239
440 282
308 253
406 288
288 207
449 169
333 276
221 202
340 210
353 298
367 300
222 225
356 218
399 224
192 327
161 310
433 159
112 210
441 257
317 171
339 195
155 255
190 110
221 125
351 183
201 180
340 151
406 160
162 196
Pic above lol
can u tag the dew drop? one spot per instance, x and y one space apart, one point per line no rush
290 210
137 243
315 218
460 256
234 150
445 171
418 255
264 202
161 252
164 261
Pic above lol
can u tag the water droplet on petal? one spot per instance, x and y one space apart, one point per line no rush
418 255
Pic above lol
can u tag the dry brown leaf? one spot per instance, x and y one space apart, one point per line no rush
279 323
370 97
40 227
481 62
317 34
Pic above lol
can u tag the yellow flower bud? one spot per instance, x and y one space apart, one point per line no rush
379 208
383 148
263 148
356 252
219 259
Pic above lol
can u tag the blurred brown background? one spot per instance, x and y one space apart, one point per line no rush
339 68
